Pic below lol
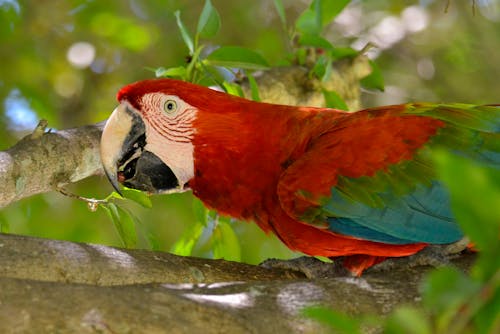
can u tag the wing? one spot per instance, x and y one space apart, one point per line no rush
371 176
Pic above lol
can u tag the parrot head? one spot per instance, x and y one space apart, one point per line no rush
146 143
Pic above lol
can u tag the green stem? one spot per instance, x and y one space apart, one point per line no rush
469 310
191 69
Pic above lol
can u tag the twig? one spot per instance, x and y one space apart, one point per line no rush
40 129
92 203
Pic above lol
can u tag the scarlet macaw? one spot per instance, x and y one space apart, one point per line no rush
328 183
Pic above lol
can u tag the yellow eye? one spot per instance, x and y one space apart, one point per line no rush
170 106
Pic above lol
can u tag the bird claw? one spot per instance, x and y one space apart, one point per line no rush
311 267
432 255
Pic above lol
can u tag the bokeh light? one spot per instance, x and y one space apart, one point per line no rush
81 54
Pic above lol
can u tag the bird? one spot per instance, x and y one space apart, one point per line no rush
358 186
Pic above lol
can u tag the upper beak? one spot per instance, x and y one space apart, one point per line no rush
119 141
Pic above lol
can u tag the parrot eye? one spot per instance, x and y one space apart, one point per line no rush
170 106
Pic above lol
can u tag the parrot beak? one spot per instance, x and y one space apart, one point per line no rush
125 158
118 129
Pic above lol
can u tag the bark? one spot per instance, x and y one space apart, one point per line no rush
41 161
51 286
295 86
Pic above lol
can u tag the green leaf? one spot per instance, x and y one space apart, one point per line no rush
4 225
374 80
278 4
193 66
445 291
320 67
137 196
238 57
233 89
209 21
478 208
333 100
328 71
149 237
318 15
330 9
488 316
211 75
315 41
179 71
342 323
301 55
124 224
200 211
184 246
152 240
407 320
342 52
307 23
114 194
253 87
324 259
184 33
225 242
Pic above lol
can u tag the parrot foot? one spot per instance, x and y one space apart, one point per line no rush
432 255
311 267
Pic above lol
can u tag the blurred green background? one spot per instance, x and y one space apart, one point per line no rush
65 60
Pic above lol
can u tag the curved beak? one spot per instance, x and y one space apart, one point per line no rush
120 141
125 158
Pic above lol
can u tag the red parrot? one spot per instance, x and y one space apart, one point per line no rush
330 183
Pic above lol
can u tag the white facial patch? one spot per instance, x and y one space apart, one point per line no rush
169 131
178 156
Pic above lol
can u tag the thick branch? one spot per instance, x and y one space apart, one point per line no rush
39 162
63 261
66 287
295 85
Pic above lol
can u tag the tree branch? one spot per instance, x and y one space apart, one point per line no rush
30 258
40 162
66 287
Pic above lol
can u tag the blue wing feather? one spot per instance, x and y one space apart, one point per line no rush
421 216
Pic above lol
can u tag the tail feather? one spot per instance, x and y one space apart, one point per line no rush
484 118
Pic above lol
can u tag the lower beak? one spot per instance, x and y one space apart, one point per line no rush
148 173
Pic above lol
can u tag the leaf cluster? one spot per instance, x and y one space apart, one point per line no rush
124 221
212 66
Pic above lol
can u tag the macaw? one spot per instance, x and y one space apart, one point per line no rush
360 185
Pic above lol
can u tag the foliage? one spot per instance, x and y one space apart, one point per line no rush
206 68
452 301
